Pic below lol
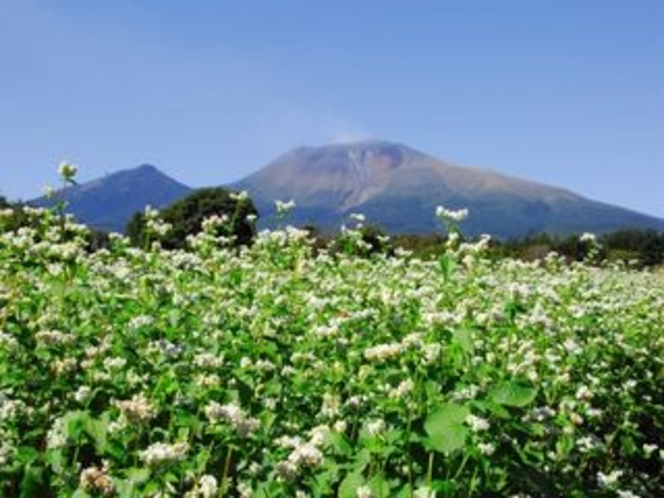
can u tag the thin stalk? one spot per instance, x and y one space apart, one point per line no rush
430 475
227 465
461 466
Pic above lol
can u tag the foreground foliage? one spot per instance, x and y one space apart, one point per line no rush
272 370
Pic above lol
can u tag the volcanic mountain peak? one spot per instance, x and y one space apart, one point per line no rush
352 174
398 189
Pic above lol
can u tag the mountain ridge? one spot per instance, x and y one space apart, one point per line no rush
396 187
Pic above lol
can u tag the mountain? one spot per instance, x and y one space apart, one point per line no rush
398 189
394 186
108 203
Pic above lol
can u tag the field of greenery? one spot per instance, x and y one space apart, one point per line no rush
275 370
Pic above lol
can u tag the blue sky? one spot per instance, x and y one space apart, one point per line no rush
566 92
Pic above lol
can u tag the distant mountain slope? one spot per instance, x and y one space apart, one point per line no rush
109 202
396 187
399 188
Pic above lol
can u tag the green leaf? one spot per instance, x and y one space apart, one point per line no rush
75 423
27 455
32 483
513 393
380 487
350 485
98 431
464 338
138 476
447 265
445 428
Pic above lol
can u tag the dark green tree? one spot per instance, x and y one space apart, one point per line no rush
647 246
16 219
186 217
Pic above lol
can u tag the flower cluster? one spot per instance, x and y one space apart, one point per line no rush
95 479
451 214
158 454
234 415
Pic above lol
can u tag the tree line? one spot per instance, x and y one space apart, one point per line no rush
644 248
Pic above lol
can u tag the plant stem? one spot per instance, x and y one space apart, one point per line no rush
430 474
461 466
227 465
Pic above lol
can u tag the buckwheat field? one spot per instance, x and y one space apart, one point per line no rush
279 370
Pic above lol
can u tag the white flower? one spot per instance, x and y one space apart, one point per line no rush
450 214
626 494
486 448
163 453
208 360
306 454
284 207
588 237
608 480
340 426
55 437
67 170
477 424
53 338
382 351
8 342
331 405
213 222
583 392
208 486
648 449
96 479
572 346
375 427
6 453
404 388
115 363
137 409
82 394
233 414
239 196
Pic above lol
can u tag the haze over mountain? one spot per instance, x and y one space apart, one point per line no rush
398 189
108 203
395 187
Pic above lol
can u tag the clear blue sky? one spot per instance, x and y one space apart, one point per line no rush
566 92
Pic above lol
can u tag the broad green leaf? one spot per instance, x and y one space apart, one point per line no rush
445 427
464 338
75 423
27 454
513 393
97 429
380 487
138 476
